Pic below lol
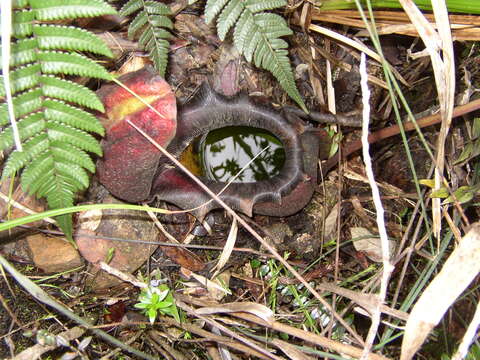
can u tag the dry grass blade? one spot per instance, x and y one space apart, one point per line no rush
207 283
259 310
446 97
228 248
292 352
385 247
437 44
462 266
356 45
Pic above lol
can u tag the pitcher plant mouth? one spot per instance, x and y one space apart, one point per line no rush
133 170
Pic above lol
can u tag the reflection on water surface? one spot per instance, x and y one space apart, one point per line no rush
224 152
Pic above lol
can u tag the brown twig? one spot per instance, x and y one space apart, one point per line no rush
393 130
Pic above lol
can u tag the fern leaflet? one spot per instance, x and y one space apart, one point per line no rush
257 35
151 21
52 125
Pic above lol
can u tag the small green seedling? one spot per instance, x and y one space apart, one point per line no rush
154 300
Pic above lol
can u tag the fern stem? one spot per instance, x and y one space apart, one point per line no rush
6 27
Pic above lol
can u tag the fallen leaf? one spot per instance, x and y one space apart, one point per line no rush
364 241
461 267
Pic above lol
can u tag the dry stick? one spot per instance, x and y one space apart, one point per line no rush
395 130
254 233
387 265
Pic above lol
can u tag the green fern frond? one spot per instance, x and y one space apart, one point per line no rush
22 23
47 10
70 135
137 23
66 152
58 111
51 37
261 5
131 7
67 90
23 104
23 52
56 62
19 159
228 17
39 166
27 127
257 35
62 197
151 21
213 8
22 78
56 143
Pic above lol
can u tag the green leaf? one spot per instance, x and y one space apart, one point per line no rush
80 119
54 62
19 159
440 193
466 153
61 9
33 172
257 36
152 314
23 104
137 23
213 8
255 6
78 138
68 153
67 90
23 52
21 78
130 7
463 194
61 197
22 23
157 8
476 128
27 127
53 37
228 17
